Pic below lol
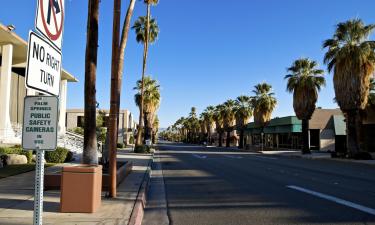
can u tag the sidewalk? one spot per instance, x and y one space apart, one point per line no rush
298 154
17 198
315 155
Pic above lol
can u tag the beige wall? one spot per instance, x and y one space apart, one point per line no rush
124 123
17 95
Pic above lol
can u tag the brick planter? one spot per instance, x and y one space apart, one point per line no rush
52 181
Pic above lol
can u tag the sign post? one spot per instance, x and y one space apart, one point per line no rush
40 134
39 184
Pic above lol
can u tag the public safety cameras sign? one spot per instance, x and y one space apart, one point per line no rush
43 70
49 20
40 123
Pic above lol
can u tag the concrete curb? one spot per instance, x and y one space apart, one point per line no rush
137 213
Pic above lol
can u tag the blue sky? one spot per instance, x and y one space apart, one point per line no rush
207 52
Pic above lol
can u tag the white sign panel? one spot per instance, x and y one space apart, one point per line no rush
43 70
40 123
50 20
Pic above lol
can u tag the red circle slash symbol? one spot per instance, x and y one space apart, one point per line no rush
52 35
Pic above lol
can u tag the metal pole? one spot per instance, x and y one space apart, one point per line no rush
39 185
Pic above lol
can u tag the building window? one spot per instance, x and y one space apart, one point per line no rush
80 121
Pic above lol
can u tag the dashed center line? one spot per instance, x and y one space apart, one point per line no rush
264 157
334 199
233 157
199 156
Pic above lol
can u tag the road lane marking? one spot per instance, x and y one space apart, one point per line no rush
263 157
334 199
233 157
200 156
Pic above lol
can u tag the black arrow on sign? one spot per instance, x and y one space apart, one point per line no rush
56 6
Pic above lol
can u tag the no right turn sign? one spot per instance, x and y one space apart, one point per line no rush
43 70
50 20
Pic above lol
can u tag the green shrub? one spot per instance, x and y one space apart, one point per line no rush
78 130
10 150
17 150
120 145
131 140
57 156
142 149
29 155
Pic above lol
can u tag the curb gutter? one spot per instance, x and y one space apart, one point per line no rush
137 213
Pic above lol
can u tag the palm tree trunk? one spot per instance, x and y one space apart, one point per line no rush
220 139
353 125
147 126
90 143
114 101
145 53
228 139
242 131
305 137
118 52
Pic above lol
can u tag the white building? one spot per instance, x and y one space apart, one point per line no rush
126 123
13 56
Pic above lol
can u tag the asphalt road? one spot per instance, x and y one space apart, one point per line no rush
205 186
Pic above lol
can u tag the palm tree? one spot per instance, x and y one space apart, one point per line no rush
243 113
193 124
264 103
304 81
147 31
89 155
208 116
118 52
351 57
219 122
229 118
151 101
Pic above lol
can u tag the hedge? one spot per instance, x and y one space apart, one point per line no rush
120 145
142 149
57 156
17 150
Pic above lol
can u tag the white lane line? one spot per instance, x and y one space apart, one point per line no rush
263 157
200 156
233 157
334 199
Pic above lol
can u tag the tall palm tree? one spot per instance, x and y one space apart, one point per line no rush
89 155
193 124
304 81
179 124
208 115
229 118
243 113
264 103
118 52
151 101
219 123
351 57
147 31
